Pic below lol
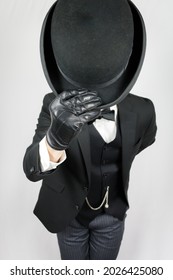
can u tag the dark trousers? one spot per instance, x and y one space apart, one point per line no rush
101 240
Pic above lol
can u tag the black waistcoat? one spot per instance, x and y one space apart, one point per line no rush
105 171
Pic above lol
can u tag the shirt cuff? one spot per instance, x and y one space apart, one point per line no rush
45 163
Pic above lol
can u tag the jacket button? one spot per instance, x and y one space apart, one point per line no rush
32 169
77 207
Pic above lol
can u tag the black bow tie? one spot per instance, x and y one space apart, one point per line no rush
107 114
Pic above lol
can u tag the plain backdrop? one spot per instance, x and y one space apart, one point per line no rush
149 223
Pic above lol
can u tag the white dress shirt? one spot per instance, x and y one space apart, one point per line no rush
106 128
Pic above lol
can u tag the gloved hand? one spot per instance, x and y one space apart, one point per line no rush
69 111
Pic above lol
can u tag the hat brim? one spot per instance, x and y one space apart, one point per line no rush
121 87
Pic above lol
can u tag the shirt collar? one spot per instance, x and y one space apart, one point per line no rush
115 109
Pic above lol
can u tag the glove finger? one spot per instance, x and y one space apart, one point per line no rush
83 103
87 106
85 97
90 116
86 101
68 94
80 98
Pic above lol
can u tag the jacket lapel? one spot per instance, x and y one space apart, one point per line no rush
128 128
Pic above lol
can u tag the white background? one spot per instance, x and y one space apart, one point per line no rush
149 224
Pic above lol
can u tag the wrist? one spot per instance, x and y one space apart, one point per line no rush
54 155
53 141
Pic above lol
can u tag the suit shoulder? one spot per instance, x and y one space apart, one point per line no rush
139 103
48 98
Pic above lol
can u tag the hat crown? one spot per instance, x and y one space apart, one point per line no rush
112 91
92 40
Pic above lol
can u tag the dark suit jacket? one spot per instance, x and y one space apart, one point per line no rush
64 190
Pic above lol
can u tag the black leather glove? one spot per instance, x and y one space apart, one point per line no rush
69 111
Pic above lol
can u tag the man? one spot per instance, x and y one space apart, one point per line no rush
90 128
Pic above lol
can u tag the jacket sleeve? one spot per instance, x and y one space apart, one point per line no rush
151 129
31 161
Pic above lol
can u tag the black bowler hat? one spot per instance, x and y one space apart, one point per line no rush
94 44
